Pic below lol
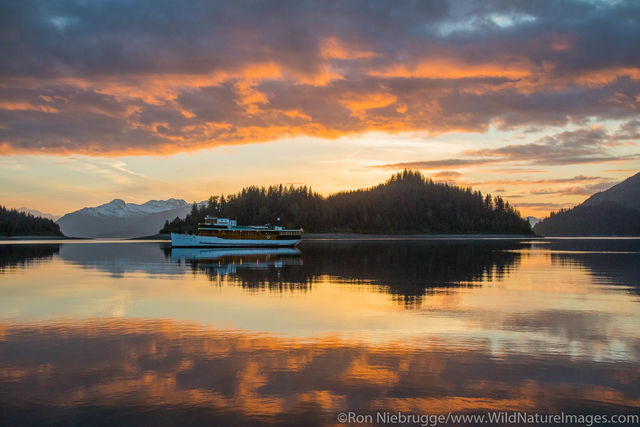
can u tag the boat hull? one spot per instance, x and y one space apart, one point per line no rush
195 241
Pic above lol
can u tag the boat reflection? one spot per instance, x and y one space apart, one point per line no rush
252 268
233 255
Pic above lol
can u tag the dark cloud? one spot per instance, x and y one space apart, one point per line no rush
582 190
577 178
148 76
435 164
448 174
569 147
591 145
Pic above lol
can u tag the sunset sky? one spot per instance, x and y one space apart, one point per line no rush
535 101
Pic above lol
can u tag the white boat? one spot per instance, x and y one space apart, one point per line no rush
224 232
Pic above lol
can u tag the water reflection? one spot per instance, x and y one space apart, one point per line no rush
408 271
115 371
120 258
12 256
252 268
136 333
613 262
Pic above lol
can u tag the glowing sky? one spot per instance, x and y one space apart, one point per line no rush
535 101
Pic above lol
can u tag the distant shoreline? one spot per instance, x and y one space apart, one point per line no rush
339 237
42 238
357 236
161 236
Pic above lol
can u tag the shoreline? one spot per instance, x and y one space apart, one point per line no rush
358 236
43 238
332 237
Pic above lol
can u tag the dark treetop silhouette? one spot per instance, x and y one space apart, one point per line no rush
14 223
406 203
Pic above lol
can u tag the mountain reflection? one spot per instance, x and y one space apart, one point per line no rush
23 255
118 259
615 262
114 371
407 270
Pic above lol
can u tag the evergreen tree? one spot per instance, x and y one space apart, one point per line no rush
406 203
14 223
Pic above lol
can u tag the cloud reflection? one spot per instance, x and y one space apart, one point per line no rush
129 370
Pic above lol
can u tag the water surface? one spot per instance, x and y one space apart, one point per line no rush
133 332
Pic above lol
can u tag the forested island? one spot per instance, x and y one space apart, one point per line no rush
406 203
14 223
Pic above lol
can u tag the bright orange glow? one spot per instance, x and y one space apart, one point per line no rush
358 103
334 48
25 106
260 120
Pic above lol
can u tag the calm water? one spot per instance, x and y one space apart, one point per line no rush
133 332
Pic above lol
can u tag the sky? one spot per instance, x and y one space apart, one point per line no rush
537 102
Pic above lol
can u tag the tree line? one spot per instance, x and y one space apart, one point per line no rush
603 219
14 223
406 203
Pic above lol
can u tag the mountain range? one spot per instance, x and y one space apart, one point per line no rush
613 212
120 219
36 213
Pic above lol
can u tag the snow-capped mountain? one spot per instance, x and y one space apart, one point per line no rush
533 220
121 219
121 209
36 212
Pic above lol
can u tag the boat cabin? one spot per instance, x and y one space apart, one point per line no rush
220 222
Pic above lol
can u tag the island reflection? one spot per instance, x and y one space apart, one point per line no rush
408 271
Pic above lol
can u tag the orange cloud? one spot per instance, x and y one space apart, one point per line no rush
26 106
449 68
562 44
334 48
346 69
358 104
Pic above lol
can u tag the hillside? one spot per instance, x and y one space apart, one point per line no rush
406 203
613 212
15 223
626 193
120 219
